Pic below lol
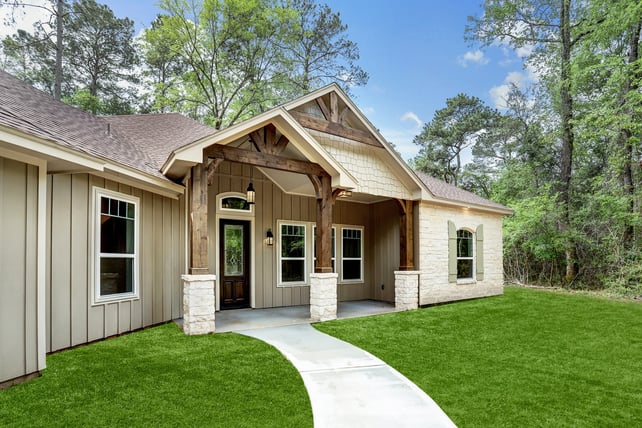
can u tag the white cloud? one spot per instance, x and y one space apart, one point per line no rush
24 17
520 79
476 57
413 117
524 51
368 110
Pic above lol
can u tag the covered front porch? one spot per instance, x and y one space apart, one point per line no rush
282 215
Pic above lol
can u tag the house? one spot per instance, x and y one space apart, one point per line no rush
112 224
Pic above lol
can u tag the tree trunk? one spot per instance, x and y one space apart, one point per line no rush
59 46
566 161
631 84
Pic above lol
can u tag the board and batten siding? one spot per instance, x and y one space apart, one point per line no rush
272 205
19 336
72 318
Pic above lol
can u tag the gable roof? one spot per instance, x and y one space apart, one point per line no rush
116 139
158 135
442 190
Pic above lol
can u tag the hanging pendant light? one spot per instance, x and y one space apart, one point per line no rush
250 196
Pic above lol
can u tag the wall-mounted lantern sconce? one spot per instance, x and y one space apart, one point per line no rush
269 237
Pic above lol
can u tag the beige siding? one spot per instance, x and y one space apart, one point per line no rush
380 223
73 319
18 269
433 254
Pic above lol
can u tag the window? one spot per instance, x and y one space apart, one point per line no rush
314 247
235 203
292 254
351 254
116 246
464 254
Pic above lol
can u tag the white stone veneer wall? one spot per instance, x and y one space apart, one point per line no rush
433 254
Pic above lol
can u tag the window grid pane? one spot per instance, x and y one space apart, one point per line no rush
464 254
117 240
351 254
292 253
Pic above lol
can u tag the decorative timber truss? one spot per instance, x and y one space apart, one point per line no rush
267 153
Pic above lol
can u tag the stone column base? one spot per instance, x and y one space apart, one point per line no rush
323 296
198 304
406 290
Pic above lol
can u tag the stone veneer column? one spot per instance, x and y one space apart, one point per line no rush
323 296
198 304
406 290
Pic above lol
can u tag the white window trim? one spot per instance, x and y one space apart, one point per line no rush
135 294
309 251
360 279
470 279
219 204
306 238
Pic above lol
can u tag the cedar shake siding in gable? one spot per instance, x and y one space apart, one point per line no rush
73 318
18 269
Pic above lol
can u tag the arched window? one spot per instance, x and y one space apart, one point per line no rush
465 254
235 203
465 251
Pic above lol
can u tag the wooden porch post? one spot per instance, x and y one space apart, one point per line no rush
406 235
323 187
198 220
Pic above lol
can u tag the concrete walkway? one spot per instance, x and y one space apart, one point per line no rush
349 387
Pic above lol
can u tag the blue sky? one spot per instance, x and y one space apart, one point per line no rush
416 55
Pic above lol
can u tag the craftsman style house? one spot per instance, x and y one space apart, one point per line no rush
112 224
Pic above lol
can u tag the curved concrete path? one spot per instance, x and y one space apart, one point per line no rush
349 387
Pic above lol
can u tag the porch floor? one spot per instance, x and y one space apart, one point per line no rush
248 319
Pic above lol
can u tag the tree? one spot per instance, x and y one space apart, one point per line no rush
451 133
319 50
228 49
552 28
163 65
101 52
56 8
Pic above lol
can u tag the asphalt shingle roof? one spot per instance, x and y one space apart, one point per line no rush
142 142
444 190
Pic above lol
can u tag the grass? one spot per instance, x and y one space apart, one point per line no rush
528 358
160 377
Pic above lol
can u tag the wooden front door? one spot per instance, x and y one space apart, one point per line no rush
234 263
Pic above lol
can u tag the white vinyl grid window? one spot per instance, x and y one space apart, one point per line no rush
292 253
351 254
295 263
116 235
465 258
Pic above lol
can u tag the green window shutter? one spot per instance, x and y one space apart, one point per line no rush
452 252
479 248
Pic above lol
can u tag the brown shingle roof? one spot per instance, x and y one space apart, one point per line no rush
141 142
160 134
443 190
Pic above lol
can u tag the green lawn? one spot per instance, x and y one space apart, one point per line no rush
528 358
160 377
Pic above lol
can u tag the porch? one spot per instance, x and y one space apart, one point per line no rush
246 319
286 213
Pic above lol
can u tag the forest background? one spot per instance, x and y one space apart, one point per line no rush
564 153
